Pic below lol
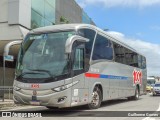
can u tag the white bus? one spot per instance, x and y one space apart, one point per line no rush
76 64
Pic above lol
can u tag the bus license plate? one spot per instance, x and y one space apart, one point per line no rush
35 102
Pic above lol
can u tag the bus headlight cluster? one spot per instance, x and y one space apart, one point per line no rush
16 88
61 88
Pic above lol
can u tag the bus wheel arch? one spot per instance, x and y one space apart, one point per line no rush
100 87
97 97
136 94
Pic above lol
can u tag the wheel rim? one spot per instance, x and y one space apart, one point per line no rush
137 94
95 98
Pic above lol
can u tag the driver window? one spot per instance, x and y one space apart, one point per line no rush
79 59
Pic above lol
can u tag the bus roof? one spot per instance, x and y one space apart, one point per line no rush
63 27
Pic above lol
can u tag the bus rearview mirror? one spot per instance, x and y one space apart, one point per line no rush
71 40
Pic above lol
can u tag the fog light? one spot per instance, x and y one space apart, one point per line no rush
61 99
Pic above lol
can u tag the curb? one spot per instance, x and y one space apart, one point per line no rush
19 108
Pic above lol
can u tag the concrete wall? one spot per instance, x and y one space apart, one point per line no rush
13 15
68 9
19 12
15 20
3 11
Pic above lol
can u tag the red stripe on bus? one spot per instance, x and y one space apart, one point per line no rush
92 75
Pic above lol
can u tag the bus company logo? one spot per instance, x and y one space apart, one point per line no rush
137 77
20 115
35 86
6 114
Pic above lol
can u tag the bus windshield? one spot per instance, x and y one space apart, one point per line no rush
43 55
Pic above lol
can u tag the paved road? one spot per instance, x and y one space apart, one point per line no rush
145 103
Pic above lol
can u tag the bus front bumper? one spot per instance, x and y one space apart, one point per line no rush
56 99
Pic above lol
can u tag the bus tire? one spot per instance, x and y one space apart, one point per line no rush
96 99
52 108
136 96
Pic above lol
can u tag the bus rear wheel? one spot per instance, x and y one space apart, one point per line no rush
136 96
96 99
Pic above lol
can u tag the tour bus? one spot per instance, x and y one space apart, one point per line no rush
76 64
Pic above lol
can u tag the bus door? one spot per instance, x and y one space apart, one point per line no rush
78 54
78 69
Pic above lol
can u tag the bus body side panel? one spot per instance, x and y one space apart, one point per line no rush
116 79
144 81
79 94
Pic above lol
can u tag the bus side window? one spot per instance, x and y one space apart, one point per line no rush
90 34
143 62
131 58
119 53
139 61
102 49
125 56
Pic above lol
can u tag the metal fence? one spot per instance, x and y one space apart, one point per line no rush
6 92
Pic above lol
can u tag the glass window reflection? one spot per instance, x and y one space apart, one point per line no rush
42 14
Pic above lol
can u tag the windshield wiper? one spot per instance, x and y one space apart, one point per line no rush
21 75
39 70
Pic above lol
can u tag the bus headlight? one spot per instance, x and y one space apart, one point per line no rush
16 88
61 88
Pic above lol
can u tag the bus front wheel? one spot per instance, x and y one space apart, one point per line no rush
96 99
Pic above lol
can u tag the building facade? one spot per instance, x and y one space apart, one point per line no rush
17 17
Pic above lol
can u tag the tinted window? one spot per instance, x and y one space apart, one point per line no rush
139 61
102 49
143 62
90 34
79 59
49 12
126 56
131 58
42 14
85 18
44 52
119 53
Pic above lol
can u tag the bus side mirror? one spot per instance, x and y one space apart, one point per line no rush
71 40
